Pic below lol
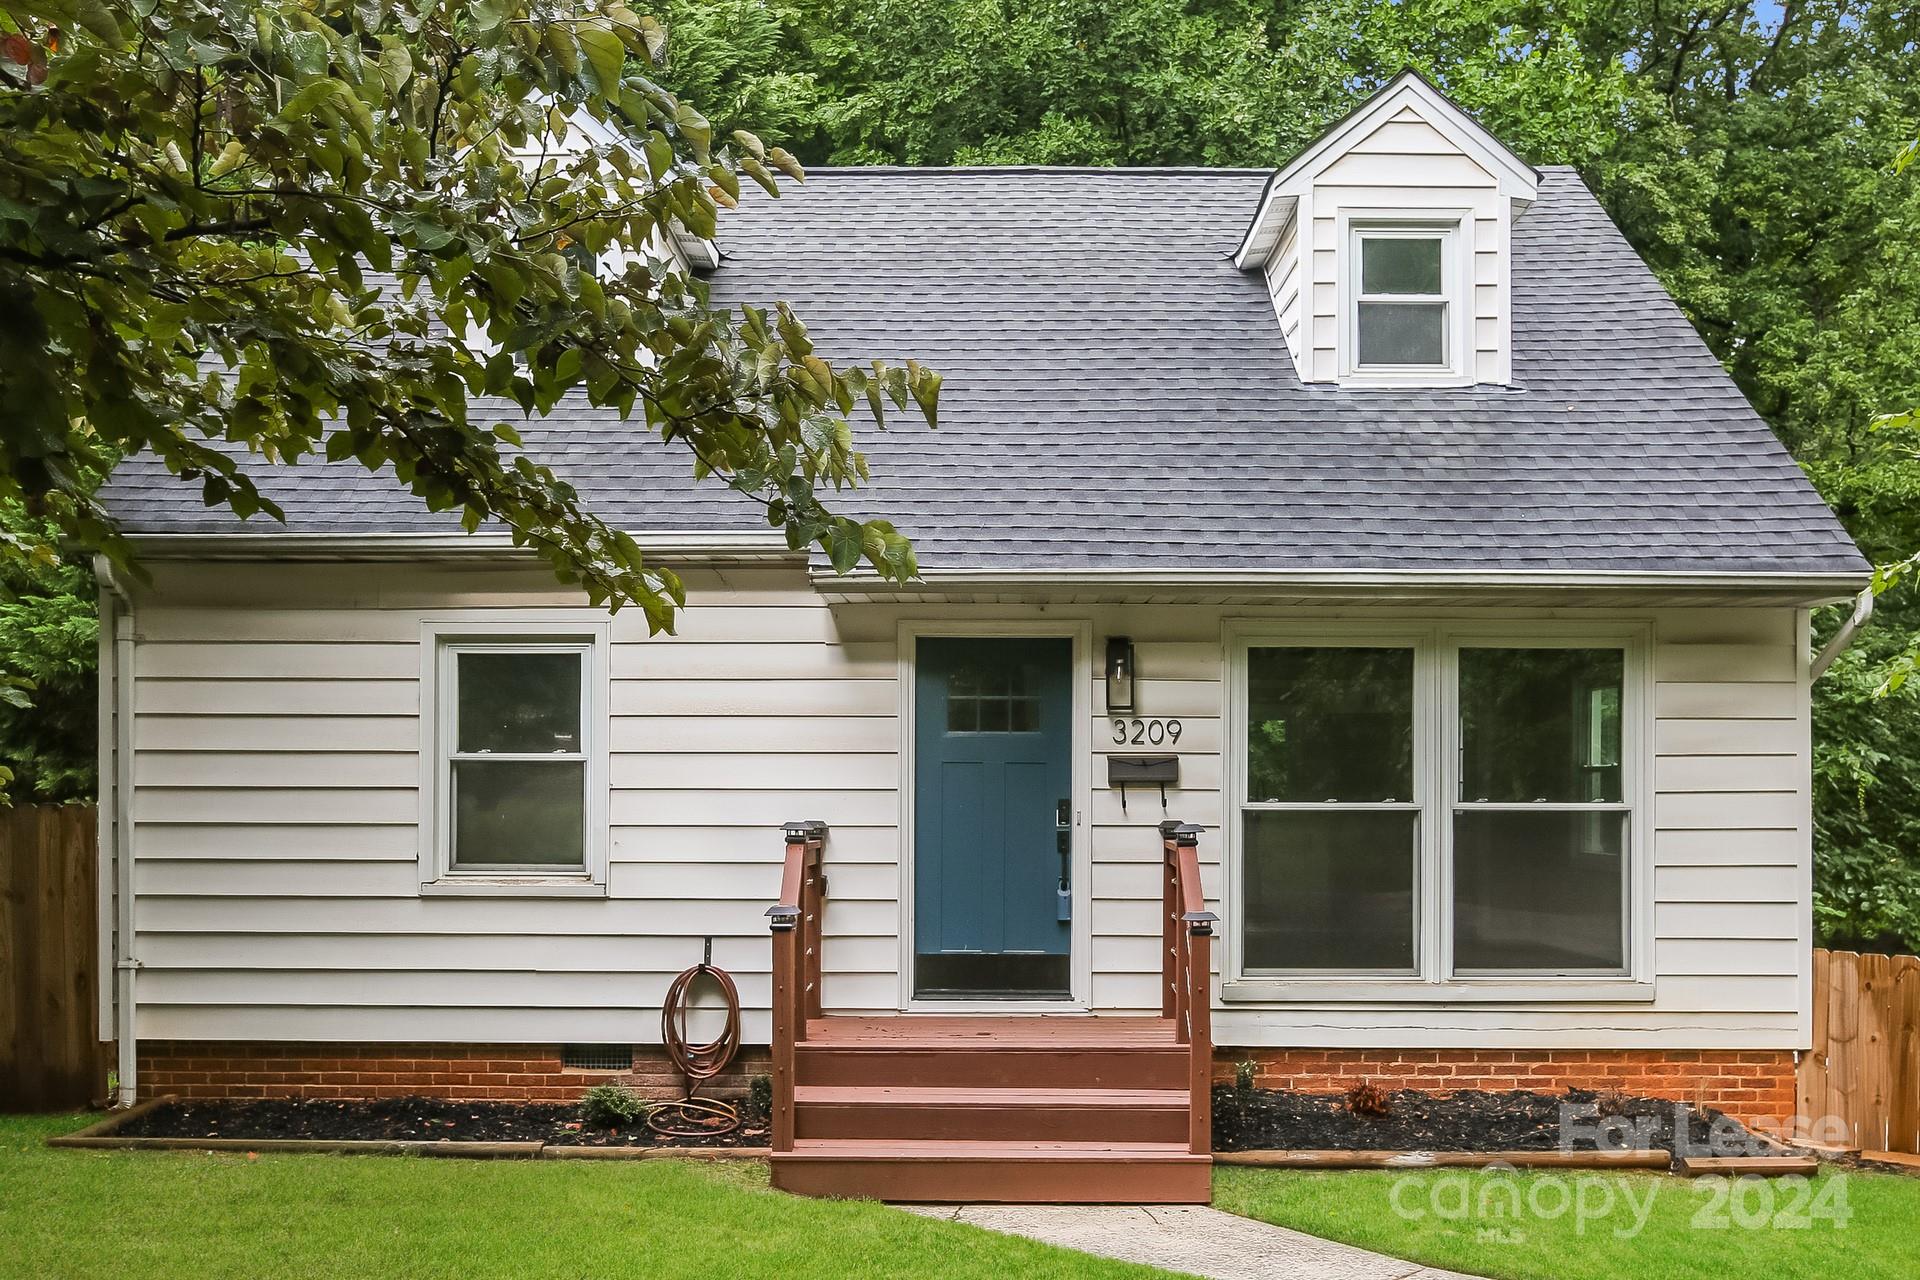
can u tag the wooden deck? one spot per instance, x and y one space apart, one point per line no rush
1040 1108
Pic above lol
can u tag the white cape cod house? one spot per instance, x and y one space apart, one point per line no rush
1381 519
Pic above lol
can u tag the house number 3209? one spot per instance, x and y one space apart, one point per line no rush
1148 732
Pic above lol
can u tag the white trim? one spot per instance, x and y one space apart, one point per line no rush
1803 772
1080 632
1530 991
1436 644
441 637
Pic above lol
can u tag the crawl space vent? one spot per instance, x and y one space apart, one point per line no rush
597 1057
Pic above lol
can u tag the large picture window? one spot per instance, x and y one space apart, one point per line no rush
1365 853
516 769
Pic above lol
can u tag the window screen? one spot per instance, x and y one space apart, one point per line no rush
1402 306
517 769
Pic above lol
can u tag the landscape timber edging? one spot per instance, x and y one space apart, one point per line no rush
102 1135
1339 1159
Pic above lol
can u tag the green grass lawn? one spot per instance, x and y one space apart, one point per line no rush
148 1214
1751 1230
112 1214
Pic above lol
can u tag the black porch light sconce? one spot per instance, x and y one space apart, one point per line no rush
1119 676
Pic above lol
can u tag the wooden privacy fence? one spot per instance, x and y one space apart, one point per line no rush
1864 1067
50 1053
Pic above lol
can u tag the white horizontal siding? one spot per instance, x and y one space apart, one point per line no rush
276 765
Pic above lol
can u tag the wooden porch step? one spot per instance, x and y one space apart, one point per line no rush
1010 1114
1025 1031
1094 1172
988 1052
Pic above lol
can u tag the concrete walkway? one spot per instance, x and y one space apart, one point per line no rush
1193 1239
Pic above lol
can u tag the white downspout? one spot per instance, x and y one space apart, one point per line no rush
126 966
1862 610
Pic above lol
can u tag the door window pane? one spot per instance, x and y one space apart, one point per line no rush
1540 724
519 813
1329 890
527 703
1539 891
992 699
1400 264
1395 333
1329 724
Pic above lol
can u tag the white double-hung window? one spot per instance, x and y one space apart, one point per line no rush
1540 813
1404 306
1430 813
517 779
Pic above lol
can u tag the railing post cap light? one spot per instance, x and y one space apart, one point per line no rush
782 917
1200 922
805 830
1180 832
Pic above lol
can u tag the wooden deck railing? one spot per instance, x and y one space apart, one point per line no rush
795 922
1186 972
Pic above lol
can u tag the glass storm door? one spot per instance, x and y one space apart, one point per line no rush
992 803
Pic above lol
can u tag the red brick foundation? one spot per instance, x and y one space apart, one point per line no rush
503 1072
1751 1085
1755 1086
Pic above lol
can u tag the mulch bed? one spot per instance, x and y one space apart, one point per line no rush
1470 1120
417 1120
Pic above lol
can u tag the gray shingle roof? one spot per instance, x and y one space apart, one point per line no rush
1118 396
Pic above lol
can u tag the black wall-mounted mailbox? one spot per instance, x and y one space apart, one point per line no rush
1124 771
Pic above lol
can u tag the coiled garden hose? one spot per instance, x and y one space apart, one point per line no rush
695 1116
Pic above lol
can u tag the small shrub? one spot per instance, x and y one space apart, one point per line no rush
613 1106
1243 1074
1369 1099
760 1095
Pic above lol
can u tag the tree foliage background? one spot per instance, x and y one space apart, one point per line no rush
1746 149
236 234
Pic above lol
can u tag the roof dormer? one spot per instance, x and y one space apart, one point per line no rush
1386 245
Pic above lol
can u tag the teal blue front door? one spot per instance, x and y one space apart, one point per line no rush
993 775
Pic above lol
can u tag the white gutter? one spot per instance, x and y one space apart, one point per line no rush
726 544
126 966
1862 610
1833 586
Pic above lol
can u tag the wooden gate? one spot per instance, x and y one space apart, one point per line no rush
50 1053
1864 1068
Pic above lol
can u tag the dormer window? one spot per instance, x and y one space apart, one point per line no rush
1402 321
1387 243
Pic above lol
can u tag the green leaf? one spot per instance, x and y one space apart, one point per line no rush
694 128
605 54
560 42
98 20
655 37
396 65
750 144
659 155
230 158
489 14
